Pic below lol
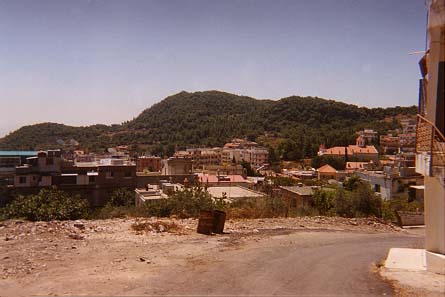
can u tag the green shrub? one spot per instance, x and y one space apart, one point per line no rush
122 197
343 203
186 203
324 201
47 205
190 201
400 202
366 202
260 207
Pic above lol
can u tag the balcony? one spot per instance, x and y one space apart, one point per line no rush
430 149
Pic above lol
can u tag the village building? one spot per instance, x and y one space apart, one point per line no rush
300 174
233 193
201 156
326 172
150 194
208 180
391 181
9 160
156 192
177 166
359 152
368 134
226 169
92 180
297 196
358 166
148 163
389 144
255 156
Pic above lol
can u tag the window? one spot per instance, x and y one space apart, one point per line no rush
128 174
377 188
22 180
109 174
91 179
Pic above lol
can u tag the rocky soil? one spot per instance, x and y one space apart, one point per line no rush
65 257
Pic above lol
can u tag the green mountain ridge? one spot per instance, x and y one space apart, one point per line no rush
211 118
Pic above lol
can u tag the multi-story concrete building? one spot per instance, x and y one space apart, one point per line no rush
408 125
430 144
258 156
150 163
403 142
368 134
255 156
391 181
237 151
177 166
9 160
94 180
238 143
389 144
201 156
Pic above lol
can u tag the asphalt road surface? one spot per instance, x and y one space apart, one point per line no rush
305 263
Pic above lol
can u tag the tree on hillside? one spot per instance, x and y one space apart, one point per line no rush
337 163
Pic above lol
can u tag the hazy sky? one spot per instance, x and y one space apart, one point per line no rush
84 62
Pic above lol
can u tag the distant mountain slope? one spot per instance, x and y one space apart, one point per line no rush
52 135
211 118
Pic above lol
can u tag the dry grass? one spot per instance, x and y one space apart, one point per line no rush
157 227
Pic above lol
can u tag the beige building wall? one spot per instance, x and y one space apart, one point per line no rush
435 215
435 185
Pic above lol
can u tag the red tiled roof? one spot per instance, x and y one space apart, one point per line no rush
327 169
336 150
356 165
351 149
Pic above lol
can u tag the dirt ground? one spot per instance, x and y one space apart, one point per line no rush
109 257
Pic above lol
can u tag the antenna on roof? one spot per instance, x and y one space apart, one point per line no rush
417 53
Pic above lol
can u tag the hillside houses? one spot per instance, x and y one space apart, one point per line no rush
358 152
236 152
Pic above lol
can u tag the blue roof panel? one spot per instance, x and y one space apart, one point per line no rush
18 153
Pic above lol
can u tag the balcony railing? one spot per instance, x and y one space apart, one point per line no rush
430 148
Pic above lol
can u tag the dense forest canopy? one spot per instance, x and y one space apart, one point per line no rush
295 125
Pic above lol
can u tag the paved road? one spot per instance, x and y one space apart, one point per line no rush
298 264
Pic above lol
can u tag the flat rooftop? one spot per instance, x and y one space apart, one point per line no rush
233 192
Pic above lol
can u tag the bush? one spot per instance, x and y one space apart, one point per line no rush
352 183
184 204
189 202
361 201
343 204
122 197
400 202
324 202
251 208
47 205
366 202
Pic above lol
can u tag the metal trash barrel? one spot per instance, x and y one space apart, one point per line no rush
205 223
211 222
219 219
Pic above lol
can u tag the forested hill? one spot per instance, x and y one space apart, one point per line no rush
296 124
